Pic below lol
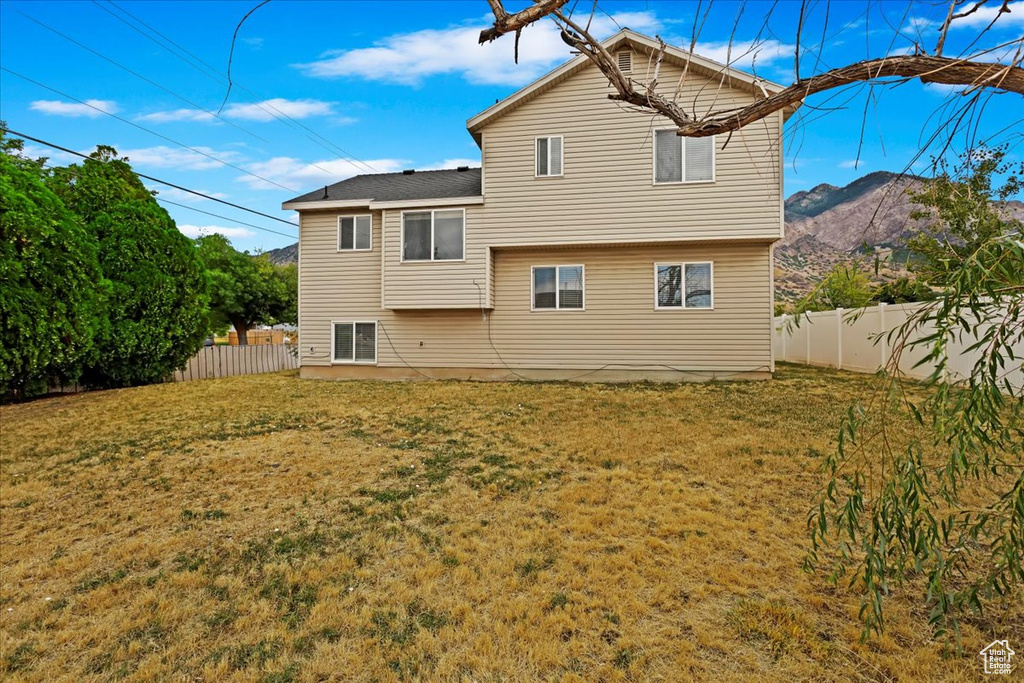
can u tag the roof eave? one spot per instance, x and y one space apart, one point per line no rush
371 204
493 112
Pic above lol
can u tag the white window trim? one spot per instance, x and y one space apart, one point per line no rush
401 244
558 296
682 157
376 329
682 265
354 216
549 175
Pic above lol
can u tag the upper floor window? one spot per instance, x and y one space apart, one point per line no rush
549 156
434 235
683 285
557 287
679 159
354 233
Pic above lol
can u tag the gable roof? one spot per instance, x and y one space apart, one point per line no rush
639 42
364 190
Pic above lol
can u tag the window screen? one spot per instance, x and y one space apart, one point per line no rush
448 235
668 157
343 342
366 342
570 286
698 285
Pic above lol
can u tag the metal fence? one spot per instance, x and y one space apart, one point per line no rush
227 361
856 340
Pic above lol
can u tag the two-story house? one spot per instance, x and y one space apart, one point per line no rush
593 243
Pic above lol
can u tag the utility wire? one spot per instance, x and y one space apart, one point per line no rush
137 74
157 180
143 128
211 72
225 218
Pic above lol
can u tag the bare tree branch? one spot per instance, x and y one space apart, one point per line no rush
512 23
967 71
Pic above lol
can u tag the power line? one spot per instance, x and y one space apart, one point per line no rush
225 218
157 180
212 73
143 128
137 74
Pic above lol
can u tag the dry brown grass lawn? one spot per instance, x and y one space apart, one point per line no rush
272 528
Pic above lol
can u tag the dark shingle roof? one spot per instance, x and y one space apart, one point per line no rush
388 187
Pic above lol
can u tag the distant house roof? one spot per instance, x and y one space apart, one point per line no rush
378 188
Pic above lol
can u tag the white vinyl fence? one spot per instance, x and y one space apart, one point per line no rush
226 361
845 340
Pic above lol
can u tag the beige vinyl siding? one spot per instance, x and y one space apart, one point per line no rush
436 284
607 191
606 194
619 327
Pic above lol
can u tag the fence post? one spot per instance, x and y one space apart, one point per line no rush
783 333
839 339
807 320
883 342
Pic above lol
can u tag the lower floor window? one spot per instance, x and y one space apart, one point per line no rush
355 342
683 285
558 287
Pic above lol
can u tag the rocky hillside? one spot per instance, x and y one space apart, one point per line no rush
868 220
284 255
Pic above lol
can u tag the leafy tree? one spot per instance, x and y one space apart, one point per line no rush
52 296
843 287
158 289
902 290
245 290
945 505
963 211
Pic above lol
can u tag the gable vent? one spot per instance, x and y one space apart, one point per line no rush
625 61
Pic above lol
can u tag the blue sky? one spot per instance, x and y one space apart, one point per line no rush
387 86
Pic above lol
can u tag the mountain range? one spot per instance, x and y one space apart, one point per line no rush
825 226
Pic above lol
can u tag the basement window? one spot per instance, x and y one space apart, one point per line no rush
354 342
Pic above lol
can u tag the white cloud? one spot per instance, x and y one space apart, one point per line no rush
299 174
985 14
851 163
176 115
55 156
162 156
75 109
452 163
746 54
174 194
194 231
268 109
409 58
